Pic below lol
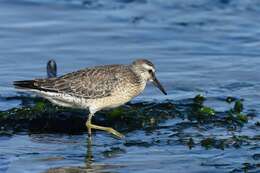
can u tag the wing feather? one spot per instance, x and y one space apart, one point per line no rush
88 83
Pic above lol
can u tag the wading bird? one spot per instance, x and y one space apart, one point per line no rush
96 88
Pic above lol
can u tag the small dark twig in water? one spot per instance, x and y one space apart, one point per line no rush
51 69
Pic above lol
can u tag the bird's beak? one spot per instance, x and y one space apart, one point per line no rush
158 84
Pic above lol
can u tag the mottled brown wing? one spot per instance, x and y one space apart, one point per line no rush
89 83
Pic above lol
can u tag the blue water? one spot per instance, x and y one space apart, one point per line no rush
209 47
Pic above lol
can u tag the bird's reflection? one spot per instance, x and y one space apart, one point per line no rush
89 159
90 164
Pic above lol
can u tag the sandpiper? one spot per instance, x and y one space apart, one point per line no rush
96 88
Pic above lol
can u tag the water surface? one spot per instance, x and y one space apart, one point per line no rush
199 47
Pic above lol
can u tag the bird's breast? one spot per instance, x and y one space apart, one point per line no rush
119 96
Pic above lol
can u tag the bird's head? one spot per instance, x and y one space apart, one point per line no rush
146 70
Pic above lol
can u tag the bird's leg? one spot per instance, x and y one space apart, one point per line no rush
108 129
88 124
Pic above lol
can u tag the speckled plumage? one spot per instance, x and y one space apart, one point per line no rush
96 88
92 83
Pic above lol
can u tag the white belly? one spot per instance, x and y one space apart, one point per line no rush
64 99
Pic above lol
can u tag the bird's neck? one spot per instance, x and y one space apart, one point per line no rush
139 73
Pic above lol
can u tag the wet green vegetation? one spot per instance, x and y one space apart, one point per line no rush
191 123
41 116
38 116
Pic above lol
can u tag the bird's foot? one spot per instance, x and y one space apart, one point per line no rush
108 129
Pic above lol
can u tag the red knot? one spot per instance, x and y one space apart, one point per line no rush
96 88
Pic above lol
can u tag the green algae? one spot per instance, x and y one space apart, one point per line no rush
116 112
242 118
199 111
236 113
207 111
39 106
238 107
42 116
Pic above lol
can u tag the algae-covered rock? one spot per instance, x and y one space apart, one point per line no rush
116 112
38 115
42 116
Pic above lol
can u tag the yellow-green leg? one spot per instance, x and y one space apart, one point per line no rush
108 129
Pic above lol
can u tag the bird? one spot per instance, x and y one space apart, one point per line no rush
96 88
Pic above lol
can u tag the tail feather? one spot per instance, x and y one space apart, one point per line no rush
32 84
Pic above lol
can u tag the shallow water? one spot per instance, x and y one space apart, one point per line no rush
204 46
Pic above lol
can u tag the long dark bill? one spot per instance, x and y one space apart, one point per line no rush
158 84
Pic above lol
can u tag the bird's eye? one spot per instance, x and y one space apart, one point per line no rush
150 71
